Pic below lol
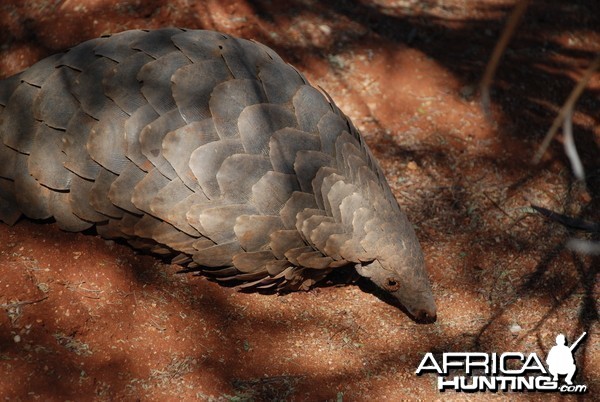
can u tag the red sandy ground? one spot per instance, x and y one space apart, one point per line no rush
82 318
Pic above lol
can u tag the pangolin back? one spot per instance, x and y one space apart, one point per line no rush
203 147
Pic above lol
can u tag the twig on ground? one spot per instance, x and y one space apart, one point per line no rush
22 303
490 70
496 204
570 148
573 223
567 108
582 246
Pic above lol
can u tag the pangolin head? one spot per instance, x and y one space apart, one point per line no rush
399 270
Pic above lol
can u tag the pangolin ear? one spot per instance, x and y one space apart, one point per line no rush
364 270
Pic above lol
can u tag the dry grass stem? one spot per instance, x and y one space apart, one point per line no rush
567 108
490 70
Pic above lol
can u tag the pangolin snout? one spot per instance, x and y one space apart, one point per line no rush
427 316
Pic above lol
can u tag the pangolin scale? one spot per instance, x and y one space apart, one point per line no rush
210 149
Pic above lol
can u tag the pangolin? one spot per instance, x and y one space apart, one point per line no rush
210 150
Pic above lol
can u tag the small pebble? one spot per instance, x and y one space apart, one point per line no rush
17 338
325 29
515 329
467 91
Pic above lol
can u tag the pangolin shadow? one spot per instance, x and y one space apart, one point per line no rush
342 276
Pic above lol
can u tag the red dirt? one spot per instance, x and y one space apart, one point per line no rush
89 319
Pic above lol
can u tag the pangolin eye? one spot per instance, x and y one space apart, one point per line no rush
392 284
